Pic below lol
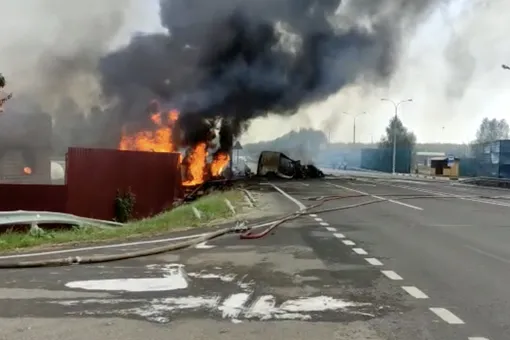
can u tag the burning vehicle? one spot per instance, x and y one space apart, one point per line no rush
277 164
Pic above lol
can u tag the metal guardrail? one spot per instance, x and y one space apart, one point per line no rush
18 217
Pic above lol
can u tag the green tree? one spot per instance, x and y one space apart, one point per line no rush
405 139
491 130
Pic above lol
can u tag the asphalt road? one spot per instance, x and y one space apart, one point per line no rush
409 268
452 248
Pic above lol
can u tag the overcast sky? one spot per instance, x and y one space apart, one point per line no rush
423 74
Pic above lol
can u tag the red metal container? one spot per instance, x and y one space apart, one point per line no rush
33 197
93 177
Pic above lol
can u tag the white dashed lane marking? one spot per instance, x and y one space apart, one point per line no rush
415 292
447 316
373 261
360 251
390 274
442 313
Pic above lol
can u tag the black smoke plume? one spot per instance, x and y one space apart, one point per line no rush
241 59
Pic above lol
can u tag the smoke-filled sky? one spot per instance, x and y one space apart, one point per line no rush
450 66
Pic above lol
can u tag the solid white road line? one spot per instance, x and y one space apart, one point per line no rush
373 261
447 316
324 224
415 292
390 274
331 229
360 251
299 204
349 243
338 235
445 194
378 197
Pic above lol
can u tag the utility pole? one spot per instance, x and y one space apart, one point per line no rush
354 124
396 105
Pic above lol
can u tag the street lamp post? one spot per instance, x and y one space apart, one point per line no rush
354 124
396 105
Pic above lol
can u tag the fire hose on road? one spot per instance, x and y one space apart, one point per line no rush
248 235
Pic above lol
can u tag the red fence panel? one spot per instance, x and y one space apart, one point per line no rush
33 197
95 175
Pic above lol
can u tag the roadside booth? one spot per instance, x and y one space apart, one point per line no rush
445 166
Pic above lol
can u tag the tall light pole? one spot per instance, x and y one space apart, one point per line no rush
396 105
354 124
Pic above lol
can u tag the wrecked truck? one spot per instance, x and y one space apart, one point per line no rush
277 164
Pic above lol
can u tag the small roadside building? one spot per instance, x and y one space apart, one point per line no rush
423 158
445 166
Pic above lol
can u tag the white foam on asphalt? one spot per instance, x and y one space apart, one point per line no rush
316 304
174 278
447 316
360 251
233 305
209 276
338 235
158 309
373 261
132 284
415 292
390 274
348 243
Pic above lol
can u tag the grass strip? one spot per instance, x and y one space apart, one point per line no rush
212 207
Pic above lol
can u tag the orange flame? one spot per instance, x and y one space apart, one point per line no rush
195 163
157 140
27 170
160 139
219 163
